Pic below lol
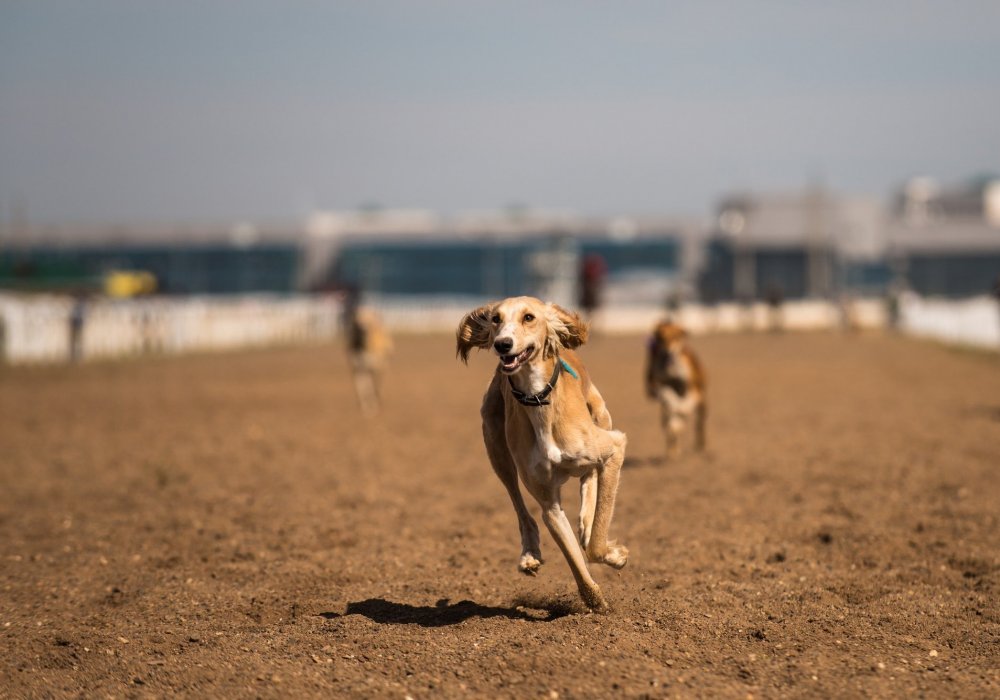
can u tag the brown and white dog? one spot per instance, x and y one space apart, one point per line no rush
544 422
368 346
675 377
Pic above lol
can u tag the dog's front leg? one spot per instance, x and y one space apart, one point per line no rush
701 417
671 422
365 387
503 464
558 524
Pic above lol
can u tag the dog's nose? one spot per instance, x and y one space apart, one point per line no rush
503 345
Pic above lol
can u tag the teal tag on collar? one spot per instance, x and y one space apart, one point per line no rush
569 369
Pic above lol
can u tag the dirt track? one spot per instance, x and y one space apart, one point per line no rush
228 525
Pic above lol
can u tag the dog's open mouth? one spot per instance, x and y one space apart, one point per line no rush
509 363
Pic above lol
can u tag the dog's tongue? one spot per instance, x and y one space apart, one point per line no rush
512 362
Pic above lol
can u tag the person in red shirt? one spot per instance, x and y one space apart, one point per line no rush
592 274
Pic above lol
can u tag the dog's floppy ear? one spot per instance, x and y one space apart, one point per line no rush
658 332
656 341
474 331
566 328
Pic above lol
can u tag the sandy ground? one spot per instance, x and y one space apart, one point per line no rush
230 526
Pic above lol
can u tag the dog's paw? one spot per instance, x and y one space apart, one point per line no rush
594 600
616 556
529 565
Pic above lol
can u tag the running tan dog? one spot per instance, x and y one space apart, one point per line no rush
368 344
544 421
675 377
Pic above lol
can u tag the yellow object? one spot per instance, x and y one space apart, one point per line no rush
122 284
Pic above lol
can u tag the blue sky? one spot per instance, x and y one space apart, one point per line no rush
129 110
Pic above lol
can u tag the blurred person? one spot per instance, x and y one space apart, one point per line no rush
77 321
893 298
146 332
592 274
673 303
368 345
775 298
676 379
996 291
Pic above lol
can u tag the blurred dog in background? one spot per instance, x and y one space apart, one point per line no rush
676 378
368 345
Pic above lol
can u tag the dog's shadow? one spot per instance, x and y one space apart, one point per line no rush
988 411
445 613
662 461
641 462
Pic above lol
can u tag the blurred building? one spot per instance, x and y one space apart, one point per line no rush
946 241
814 243
492 254
383 253
923 200
182 260
810 244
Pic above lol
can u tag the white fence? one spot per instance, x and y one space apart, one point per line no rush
443 316
973 321
38 329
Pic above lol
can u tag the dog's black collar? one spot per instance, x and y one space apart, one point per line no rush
541 398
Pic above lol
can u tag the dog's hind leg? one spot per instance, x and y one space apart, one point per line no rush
671 426
700 418
364 386
598 548
598 409
503 464
588 503
588 484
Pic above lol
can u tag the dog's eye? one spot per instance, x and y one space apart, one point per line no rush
496 318
528 317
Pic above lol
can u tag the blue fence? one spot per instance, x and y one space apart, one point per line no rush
484 267
200 269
